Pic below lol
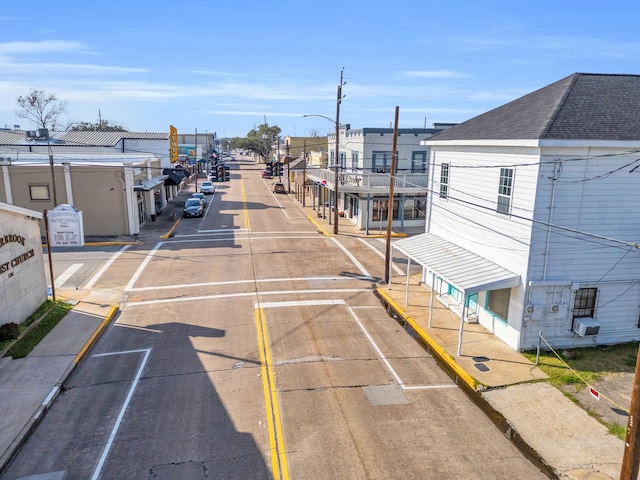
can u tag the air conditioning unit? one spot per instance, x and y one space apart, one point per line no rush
43 133
31 134
585 326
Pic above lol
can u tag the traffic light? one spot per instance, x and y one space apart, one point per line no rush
220 173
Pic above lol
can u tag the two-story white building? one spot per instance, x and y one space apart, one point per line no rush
531 222
364 176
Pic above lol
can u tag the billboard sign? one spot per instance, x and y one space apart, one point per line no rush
173 144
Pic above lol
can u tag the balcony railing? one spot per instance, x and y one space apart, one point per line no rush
369 181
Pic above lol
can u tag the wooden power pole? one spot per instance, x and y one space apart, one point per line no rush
631 457
392 180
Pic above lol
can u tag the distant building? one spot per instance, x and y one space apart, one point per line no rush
364 176
119 180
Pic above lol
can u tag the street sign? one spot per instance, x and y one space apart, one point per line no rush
66 228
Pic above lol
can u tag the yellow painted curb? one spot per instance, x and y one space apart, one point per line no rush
171 230
319 227
437 349
96 334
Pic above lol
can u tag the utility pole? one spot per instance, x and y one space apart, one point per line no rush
337 159
53 174
278 166
195 154
304 172
631 454
392 181
288 167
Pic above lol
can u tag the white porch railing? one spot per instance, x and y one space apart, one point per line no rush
369 181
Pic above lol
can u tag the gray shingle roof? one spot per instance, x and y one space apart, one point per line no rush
582 106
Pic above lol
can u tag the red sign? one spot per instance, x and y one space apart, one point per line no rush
594 393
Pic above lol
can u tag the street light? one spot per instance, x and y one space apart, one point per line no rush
336 123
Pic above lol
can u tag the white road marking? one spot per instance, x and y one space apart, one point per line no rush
352 257
243 294
252 238
381 255
123 409
239 282
104 267
302 303
67 274
388 364
143 265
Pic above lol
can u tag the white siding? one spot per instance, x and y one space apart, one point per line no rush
600 196
468 216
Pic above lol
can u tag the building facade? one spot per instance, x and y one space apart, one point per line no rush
529 227
119 180
364 164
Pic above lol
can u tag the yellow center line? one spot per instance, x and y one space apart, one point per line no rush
274 423
244 203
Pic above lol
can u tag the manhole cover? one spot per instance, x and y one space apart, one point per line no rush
481 366
480 359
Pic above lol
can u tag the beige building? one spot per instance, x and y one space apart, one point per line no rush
116 193
23 286
119 180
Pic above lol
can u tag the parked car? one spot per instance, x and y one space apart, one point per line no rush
278 187
199 196
193 207
208 188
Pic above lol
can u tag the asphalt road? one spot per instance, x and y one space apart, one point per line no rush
249 346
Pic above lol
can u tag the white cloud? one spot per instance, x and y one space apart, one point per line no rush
46 46
433 74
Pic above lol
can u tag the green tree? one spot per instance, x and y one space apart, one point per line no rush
101 126
42 108
258 141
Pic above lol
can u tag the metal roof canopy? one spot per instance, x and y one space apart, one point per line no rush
466 271
150 184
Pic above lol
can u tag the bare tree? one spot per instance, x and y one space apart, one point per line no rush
41 108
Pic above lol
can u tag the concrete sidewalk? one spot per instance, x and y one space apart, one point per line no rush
28 386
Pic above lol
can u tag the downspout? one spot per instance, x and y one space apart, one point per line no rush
556 174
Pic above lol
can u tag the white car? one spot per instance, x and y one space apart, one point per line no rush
208 188
199 196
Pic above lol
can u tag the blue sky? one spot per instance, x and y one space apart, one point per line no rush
224 66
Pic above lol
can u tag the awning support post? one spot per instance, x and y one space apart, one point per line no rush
406 292
433 286
462 315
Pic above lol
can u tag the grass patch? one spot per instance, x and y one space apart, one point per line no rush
51 314
590 364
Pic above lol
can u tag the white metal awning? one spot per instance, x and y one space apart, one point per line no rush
464 270
150 184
